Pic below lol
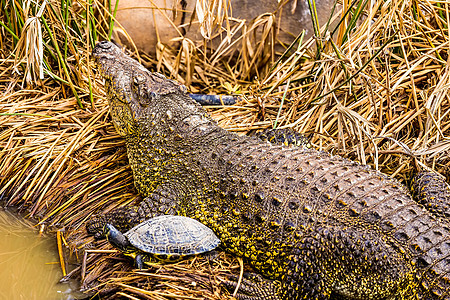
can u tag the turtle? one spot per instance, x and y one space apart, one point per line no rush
167 238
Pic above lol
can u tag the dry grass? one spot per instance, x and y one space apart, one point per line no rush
377 93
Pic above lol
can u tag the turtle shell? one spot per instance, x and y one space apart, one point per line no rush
172 235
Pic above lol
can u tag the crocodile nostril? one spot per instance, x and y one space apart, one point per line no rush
104 44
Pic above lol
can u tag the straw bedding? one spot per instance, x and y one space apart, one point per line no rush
376 92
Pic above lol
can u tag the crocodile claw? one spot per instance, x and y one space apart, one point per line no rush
96 226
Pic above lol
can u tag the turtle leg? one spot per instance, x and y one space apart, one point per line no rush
139 261
433 192
161 202
210 255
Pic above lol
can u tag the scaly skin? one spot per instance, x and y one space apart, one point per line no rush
316 226
286 137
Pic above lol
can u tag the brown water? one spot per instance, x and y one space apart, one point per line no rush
29 264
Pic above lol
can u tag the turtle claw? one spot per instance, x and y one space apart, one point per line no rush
253 287
139 262
211 255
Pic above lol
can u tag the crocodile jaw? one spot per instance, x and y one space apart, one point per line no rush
138 98
118 75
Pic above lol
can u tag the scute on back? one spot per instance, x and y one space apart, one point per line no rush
168 235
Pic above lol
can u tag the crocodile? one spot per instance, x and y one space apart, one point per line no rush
311 224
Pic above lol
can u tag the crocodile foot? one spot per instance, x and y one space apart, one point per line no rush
254 287
96 226
122 218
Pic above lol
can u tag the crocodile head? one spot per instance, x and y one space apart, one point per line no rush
139 99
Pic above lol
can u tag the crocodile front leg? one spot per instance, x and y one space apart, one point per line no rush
160 202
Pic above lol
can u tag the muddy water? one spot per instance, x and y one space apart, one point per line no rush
29 264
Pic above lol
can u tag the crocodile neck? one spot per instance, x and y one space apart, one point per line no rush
167 143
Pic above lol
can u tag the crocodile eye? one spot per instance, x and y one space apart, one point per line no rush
138 79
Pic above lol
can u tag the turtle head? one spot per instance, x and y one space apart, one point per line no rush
116 238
